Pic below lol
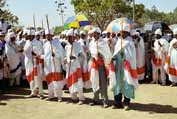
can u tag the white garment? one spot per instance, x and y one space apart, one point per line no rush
12 57
84 63
130 68
171 63
140 58
31 69
53 71
158 61
95 47
73 69
38 50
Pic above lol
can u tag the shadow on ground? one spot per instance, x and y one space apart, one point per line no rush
15 93
154 108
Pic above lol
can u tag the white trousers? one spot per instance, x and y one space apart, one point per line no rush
156 75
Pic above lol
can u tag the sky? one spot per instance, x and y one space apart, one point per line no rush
25 9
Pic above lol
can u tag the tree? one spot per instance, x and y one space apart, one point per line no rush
6 14
102 12
58 29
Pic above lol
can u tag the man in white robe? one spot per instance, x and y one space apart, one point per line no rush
53 58
31 53
140 54
73 68
171 61
84 59
100 60
125 69
158 59
21 40
38 61
13 58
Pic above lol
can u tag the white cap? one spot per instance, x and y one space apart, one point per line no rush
97 30
70 32
11 34
104 32
133 33
25 31
90 31
175 31
76 32
158 32
82 33
37 33
49 31
64 32
31 32
10 30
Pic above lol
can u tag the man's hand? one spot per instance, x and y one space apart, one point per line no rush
175 45
34 54
21 50
112 60
160 44
65 61
53 54
72 57
121 53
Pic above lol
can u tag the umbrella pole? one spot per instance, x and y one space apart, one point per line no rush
121 64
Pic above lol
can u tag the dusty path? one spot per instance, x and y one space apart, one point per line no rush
152 102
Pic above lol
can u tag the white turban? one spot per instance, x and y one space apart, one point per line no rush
25 31
49 31
90 32
76 32
70 32
31 32
133 32
158 32
37 33
97 30
104 32
11 35
82 32
10 30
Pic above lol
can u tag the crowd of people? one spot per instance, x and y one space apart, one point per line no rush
85 60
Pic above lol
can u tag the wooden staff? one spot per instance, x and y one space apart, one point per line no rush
42 24
71 53
48 27
34 22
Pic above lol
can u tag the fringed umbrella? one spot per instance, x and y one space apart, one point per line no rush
120 24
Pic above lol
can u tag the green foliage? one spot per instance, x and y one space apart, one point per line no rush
58 29
102 12
6 14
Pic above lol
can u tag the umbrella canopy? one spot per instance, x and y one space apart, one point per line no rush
82 19
153 26
120 24
76 21
173 26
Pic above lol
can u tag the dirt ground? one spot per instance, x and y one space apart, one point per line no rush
152 102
